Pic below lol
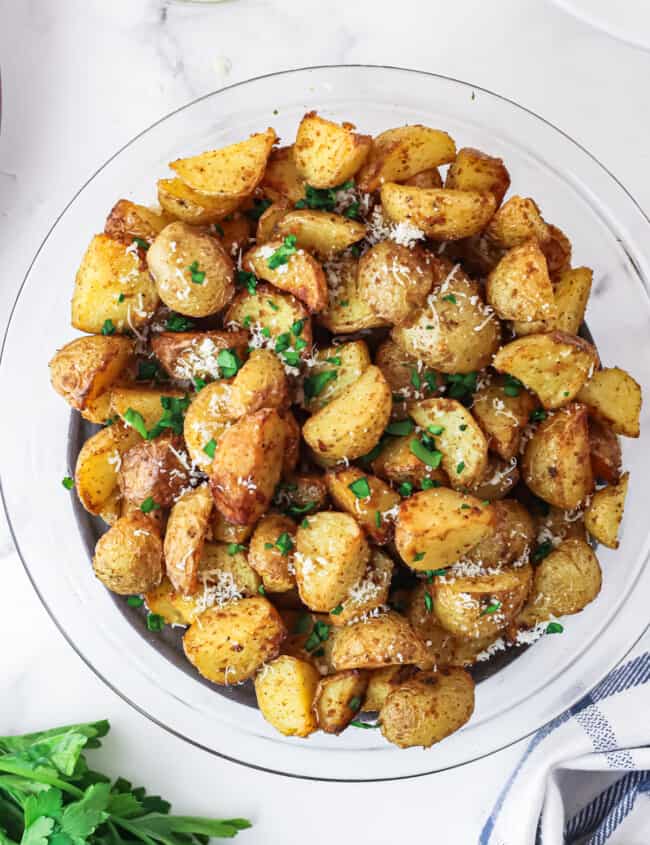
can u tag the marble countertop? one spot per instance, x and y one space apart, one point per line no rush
81 77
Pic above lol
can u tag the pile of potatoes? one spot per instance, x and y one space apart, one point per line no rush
351 438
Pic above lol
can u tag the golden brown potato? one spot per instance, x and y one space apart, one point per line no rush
375 642
518 220
113 290
128 557
228 532
193 273
267 314
437 527
281 180
233 171
175 608
285 690
112 508
301 494
98 462
384 681
225 566
473 170
208 416
427 708
154 469
183 203
460 445
614 398
558 525
604 515
234 232
395 280
556 464
519 287
186 529
425 179
83 371
440 645
338 699
366 498
261 383
271 552
605 452
503 415
127 221
327 154
334 369
557 250
555 366
347 310
399 154
368 594
572 291
397 463
247 465
331 558
300 275
407 378
266 224
512 540
145 400
192 355
229 644
320 232
499 479
442 214
353 422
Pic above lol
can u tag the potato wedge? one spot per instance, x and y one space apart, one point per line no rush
395 280
557 250
347 310
384 681
129 556
604 515
226 568
605 451
397 463
613 397
407 378
184 538
513 538
367 595
518 220
442 214
98 462
572 291
183 203
268 310
281 180
271 552
427 708
326 153
365 497
301 275
233 171
127 221
229 644
320 232
234 232
208 416
260 383
437 527
285 689
266 224
334 369
499 479
228 532
556 464
519 287
113 290
338 699
503 416
301 494
147 401
554 366
175 608
425 179
192 355
473 170
154 469
334 434
375 642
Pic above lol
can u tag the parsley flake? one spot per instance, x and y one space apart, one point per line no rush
316 384
405 489
135 601
491 608
400 428
142 244
554 628
68 482
283 253
360 488
108 328
228 362
210 448
428 602
246 280
198 276
149 505
155 622
178 323
430 457
235 548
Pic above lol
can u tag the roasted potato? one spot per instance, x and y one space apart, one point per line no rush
518 220
395 280
382 682
396 462
228 532
225 565
320 232
519 287
605 451
98 463
260 383
558 524
572 291
557 250
614 398
499 479
285 689
301 493
339 698
473 170
192 355
299 274
154 469
183 203
234 233
347 310
365 497
407 378
604 514
207 418
334 369
512 540
375 642
184 538
175 608
266 224
148 402
129 556
503 410
425 179
268 314
439 643
327 154
128 221
281 180
367 595
271 552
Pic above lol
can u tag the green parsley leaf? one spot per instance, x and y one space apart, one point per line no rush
300 344
261 590
155 622
296 510
418 556
283 253
352 211
429 483
355 250
228 362
542 551
357 723
147 370
512 386
178 323
400 428
210 447
343 303
218 228
142 244
354 703
463 427
335 359
136 421
431 380
465 507
235 548
360 488
282 342
291 357
284 543
431 574
272 305
554 628
266 331
135 601
416 381
246 280
491 608
199 383
436 429
538 415
378 519
197 276
149 505
324 199
430 457
258 209
428 602
108 328
297 327
337 610
320 634
173 415
68 482
316 384
460 466
449 298
461 385
405 489
268 545
304 523
120 297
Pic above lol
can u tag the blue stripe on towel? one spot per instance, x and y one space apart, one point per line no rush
600 818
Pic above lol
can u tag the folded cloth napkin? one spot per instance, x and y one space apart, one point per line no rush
584 778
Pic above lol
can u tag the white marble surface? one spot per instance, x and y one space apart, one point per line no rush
79 78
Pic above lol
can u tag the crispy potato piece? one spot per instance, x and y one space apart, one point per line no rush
369 593
193 272
335 369
479 606
186 530
127 220
271 552
281 180
572 291
320 232
477 255
154 469
327 154
128 557
233 171
347 487
175 608
519 287
301 494
559 524
331 557
556 464
261 383
503 416
190 355
512 540
146 400
499 479
427 708
555 366
183 203
518 220
564 582
228 568
301 275
271 310
112 284
604 515
395 280
458 437
234 233
96 471
437 527
247 465
83 371
440 645
347 310
455 332
396 462
442 214
557 250
375 642
229 644
605 452
285 690
208 416
334 433
425 179
473 170
338 699
382 682
399 154
406 376
266 224
614 398
112 508
228 532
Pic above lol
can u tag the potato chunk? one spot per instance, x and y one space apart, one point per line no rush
300 275
320 232
271 552
338 699
185 536
334 369
375 642
183 203
347 310
518 220
98 462
473 170
613 397
128 557
395 280
154 469
327 153
285 689
572 291
503 416
191 355
281 180
127 221
519 287
605 451
366 498
604 515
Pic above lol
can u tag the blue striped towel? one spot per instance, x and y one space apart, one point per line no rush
584 779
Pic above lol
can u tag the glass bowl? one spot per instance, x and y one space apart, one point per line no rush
609 233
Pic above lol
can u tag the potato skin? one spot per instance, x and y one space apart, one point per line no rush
333 697
128 557
396 462
153 469
394 280
370 593
301 275
519 287
229 644
384 681
271 309
572 291
604 515
185 536
378 641
272 564
614 397
428 708
175 608
518 220
96 470
473 170
127 220
401 154
369 511
322 233
326 153
605 452
354 361
169 258
189 355
281 180
347 311
502 417
182 203
285 690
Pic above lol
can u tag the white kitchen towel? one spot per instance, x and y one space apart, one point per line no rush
584 778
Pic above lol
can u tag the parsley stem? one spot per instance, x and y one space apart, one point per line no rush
43 777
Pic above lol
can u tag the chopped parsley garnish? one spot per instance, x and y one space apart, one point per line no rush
155 622
199 383
246 280
418 556
355 250
173 415
378 519
461 385
401 427
283 253
300 344
302 623
291 357
465 507
297 510
229 363
429 483
147 370
512 386
463 427
416 381
431 574
149 505
360 488
120 297
431 380
405 489
109 421
357 723
566 393
460 466
374 453
323 199
261 590
247 321
272 305
320 634
68 482
284 543
304 523
428 602
198 276
554 628
430 457
335 611
352 211
210 448
343 303
449 298
135 601
538 415
178 323
108 328
282 342
436 429
491 608
218 228
266 331
314 385
354 703
335 359
142 244
235 548
258 209
297 327
136 421
542 551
